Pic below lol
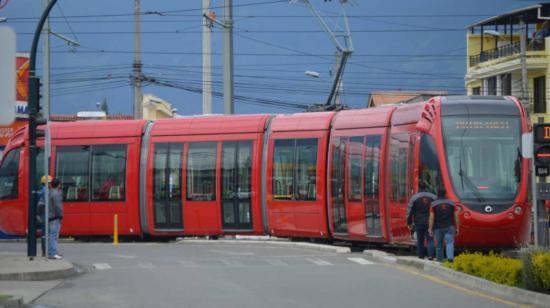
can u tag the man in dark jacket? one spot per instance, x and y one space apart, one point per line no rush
418 212
55 216
444 224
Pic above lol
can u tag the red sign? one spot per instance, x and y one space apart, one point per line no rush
22 77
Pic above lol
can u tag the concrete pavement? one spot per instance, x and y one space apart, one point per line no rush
26 280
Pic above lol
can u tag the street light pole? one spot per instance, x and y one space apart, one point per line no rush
34 106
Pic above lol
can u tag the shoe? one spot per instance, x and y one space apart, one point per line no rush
55 257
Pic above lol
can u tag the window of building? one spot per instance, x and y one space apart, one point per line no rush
506 84
108 172
9 175
492 85
295 169
73 171
476 91
539 94
201 171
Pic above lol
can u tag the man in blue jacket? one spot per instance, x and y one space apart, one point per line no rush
55 218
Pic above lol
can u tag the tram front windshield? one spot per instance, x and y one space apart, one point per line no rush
483 156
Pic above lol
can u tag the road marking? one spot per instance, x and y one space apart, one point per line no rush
361 261
232 263
146 265
232 253
319 262
276 262
453 286
188 263
102 266
122 256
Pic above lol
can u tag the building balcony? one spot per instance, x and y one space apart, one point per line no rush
504 51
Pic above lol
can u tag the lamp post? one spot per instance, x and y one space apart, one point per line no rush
34 106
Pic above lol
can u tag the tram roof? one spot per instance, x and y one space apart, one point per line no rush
96 129
210 125
302 121
363 118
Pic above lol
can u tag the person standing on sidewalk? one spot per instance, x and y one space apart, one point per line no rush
55 218
41 212
444 224
418 221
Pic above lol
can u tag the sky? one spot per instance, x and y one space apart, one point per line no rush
398 45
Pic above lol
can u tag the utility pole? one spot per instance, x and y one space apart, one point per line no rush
46 67
206 59
228 103
523 62
138 112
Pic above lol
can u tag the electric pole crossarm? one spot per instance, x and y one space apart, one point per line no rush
66 39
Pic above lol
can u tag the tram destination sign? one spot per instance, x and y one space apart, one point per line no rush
542 133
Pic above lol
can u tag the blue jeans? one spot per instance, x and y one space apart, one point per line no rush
53 235
447 234
421 235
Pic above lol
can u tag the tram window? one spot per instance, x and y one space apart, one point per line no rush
283 169
355 167
399 150
108 172
430 173
201 171
72 169
9 174
306 169
372 166
295 169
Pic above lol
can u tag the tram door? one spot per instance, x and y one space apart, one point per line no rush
337 181
236 185
371 189
167 175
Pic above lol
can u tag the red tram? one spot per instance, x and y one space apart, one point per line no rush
331 175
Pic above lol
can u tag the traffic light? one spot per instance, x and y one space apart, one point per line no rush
541 151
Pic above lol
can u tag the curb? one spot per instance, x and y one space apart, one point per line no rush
480 284
12 303
39 275
318 247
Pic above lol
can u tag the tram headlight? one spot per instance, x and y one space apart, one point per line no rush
517 210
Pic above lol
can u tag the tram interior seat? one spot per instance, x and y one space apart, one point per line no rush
114 193
71 193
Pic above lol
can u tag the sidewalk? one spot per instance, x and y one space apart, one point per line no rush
26 280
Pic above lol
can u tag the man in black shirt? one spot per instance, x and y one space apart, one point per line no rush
418 212
444 223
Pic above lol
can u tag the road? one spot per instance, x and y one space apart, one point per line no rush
191 275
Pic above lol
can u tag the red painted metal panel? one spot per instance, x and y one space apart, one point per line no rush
210 125
96 129
363 118
302 122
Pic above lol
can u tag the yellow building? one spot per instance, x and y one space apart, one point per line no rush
509 54
156 108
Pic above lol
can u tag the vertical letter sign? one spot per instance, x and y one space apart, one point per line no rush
7 75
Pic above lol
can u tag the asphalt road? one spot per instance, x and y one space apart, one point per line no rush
191 275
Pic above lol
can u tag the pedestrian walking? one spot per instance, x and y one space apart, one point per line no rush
55 219
41 212
444 224
418 212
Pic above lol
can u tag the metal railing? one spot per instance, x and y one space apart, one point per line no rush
504 51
